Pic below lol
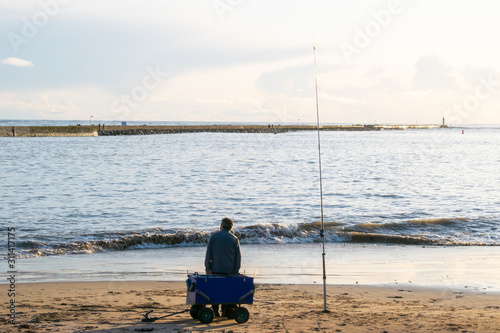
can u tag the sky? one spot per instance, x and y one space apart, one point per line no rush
389 61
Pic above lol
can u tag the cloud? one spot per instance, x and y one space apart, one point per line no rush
375 71
18 62
287 80
433 74
341 99
215 100
473 75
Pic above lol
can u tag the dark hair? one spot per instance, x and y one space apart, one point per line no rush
227 223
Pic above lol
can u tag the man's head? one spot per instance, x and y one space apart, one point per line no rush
227 223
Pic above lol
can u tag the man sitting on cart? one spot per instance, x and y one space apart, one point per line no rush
223 253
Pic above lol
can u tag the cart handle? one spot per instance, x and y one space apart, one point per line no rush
202 294
246 295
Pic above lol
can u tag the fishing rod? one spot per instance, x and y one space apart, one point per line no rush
322 232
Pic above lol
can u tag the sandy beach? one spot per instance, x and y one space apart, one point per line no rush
118 307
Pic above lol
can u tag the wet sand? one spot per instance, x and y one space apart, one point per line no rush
118 307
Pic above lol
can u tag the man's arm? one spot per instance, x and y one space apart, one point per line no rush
209 258
237 259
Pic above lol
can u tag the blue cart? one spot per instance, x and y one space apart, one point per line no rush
229 291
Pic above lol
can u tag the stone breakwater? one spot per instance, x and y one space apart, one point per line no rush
103 130
35 131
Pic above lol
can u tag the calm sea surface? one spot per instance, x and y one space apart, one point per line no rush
80 195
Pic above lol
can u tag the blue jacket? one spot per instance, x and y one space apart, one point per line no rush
223 253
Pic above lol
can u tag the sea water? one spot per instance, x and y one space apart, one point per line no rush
93 199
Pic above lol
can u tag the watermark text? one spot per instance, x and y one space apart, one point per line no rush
31 26
365 35
140 92
11 273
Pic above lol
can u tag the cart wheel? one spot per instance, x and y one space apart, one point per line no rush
206 315
242 315
194 311
230 311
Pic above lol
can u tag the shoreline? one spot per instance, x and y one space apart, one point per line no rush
114 130
455 268
118 306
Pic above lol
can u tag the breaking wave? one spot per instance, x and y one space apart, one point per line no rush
410 232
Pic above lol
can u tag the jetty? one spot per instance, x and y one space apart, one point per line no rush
106 130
